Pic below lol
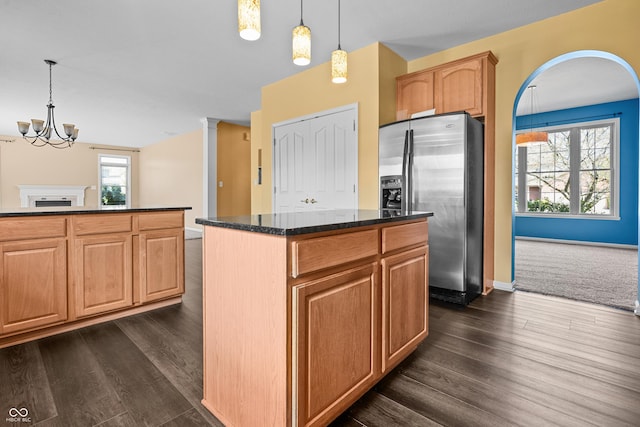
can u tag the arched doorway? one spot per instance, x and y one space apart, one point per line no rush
557 62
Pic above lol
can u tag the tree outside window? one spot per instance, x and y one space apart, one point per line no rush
114 181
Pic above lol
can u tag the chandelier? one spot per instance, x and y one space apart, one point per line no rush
339 59
532 137
43 130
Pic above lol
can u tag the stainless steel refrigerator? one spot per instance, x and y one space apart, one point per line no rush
435 163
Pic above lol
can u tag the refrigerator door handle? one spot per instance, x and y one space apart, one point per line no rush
409 177
405 172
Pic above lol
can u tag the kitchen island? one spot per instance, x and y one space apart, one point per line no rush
64 268
305 312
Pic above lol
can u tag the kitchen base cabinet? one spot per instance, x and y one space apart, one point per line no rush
60 272
405 292
335 322
293 324
161 258
33 284
103 277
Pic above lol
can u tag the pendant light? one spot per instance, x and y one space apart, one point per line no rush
44 130
339 59
249 19
301 43
532 137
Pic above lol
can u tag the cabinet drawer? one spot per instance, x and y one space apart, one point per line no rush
401 236
32 228
323 252
155 221
101 224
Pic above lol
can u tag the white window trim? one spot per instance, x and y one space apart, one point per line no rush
615 166
100 164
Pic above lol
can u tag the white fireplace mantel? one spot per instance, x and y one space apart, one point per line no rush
29 193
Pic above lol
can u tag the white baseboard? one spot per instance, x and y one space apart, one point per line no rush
503 286
192 233
577 242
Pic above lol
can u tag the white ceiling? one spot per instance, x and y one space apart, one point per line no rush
134 72
577 82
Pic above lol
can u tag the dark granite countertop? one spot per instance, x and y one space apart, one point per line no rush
294 223
64 210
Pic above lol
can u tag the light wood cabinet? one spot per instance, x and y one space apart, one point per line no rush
463 85
312 316
33 284
337 329
415 92
103 274
405 293
459 87
161 264
62 272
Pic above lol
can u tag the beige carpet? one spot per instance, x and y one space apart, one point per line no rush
594 274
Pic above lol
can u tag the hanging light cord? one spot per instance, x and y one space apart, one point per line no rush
339 48
301 23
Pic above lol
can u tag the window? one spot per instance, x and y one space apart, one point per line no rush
574 173
115 180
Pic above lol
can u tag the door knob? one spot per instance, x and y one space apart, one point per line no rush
314 201
306 200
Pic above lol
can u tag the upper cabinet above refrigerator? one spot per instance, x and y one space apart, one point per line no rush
463 85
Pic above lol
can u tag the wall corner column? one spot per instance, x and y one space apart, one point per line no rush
210 166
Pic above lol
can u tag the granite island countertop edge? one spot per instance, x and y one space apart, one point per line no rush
234 223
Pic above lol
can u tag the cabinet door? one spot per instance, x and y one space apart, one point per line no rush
161 261
459 87
414 93
405 305
103 273
335 343
33 284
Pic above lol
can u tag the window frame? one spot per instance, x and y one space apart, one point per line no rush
574 127
128 185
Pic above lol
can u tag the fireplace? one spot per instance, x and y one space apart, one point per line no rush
56 202
35 196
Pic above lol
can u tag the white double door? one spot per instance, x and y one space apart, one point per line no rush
316 163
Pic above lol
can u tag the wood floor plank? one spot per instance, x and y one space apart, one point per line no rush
375 409
24 382
608 366
436 405
191 418
534 374
178 357
82 394
148 395
120 420
512 407
529 381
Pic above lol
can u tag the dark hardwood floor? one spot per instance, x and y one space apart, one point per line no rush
507 359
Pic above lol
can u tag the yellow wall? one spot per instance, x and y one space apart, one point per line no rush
312 91
23 164
171 175
609 26
234 169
